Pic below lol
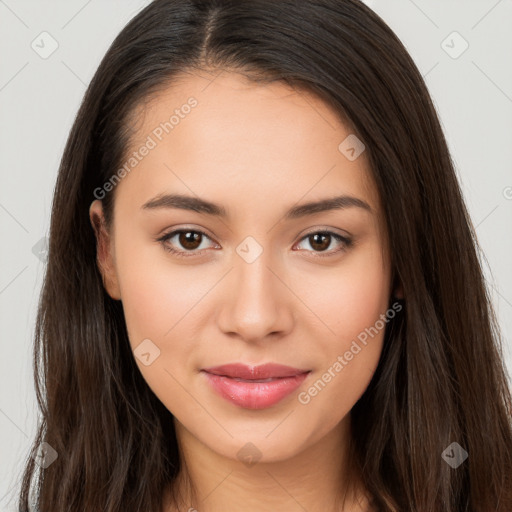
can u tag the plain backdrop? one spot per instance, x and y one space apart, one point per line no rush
463 49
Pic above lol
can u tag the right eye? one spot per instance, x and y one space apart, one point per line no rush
189 239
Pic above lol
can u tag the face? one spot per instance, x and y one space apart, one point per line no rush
239 270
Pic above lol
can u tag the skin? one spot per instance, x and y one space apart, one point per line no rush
257 150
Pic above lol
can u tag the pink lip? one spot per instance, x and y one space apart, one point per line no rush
243 386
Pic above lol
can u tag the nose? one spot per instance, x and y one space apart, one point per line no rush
256 302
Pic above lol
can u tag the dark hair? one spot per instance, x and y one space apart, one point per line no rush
441 377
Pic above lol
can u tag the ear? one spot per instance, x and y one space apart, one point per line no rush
398 289
104 250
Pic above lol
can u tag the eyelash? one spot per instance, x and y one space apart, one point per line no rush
346 243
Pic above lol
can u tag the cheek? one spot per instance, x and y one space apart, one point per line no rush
157 295
162 302
158 300
351 297
351 302
149 303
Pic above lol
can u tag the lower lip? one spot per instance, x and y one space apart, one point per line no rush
254 395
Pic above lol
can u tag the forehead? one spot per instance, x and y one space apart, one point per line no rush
242 141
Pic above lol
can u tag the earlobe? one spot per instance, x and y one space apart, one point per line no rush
398 290
104 250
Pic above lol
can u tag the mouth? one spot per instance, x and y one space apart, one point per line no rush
254 387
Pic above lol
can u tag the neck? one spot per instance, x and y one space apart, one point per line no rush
317 478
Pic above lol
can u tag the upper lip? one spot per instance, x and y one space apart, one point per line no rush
264 371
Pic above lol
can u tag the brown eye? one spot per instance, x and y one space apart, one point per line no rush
320 241
189 239
187 242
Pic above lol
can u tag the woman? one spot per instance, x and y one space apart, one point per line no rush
263 287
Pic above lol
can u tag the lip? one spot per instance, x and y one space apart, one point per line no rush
254 387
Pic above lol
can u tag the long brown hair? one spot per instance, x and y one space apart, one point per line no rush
441 378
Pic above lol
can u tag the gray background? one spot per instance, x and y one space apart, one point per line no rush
39 98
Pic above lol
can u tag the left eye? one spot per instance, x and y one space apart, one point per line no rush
321 240
191 241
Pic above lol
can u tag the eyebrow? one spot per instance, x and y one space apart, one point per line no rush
198 205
